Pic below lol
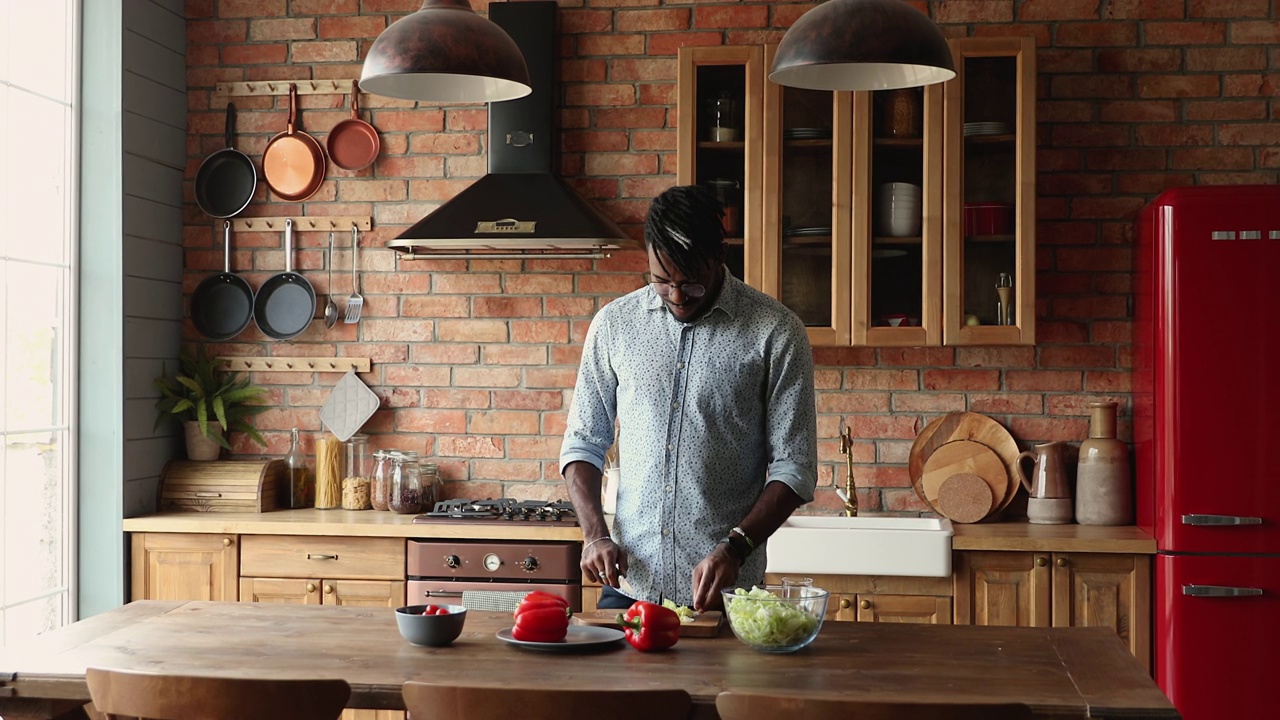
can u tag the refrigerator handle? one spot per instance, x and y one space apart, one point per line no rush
1220 591
1220 520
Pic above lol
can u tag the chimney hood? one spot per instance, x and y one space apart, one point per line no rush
521 208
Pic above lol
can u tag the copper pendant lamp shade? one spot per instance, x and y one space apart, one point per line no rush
445 53
862 45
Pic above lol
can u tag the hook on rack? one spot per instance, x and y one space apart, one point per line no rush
289 365
311 365
333 366
272 86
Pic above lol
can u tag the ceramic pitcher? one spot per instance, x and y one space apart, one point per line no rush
1048 478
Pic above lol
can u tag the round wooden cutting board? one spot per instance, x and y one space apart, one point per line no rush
966 426
963 457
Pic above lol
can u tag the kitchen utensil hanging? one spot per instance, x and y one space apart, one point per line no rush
355 303
353 143
330 307
286 303
226 180
293 162
222 304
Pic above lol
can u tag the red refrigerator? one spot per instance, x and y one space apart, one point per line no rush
1206 419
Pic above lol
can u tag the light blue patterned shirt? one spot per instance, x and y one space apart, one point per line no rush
710 411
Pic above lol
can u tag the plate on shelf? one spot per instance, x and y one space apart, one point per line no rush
808 232
580 638
987 128
806 133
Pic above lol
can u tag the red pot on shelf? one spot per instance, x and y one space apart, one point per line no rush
988 218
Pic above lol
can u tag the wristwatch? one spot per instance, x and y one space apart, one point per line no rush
738 547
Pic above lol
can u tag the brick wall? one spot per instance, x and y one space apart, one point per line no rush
475 361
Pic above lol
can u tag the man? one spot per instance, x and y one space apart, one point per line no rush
712 384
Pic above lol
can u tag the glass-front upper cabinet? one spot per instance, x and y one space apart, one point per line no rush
989 256
808 186
897 219
720 111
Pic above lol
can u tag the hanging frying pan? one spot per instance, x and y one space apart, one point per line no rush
353 143
286 302
223 303
226 179
293 162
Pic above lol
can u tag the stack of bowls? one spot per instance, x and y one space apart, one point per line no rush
899 210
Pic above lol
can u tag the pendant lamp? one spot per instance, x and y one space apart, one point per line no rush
445 53
862 45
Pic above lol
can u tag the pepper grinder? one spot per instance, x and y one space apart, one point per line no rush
1004 307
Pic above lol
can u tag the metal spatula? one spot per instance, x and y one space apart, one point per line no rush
355 303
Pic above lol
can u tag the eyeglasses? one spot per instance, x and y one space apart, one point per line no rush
664 288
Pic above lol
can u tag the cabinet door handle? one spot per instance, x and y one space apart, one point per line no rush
317 556
1220 591
846 604
226 542
1196 519
1063 562
1042 561
208 494
328 589
311 587
865 604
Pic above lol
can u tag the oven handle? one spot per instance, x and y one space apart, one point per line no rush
442 593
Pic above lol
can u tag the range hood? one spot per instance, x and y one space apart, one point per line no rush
521 208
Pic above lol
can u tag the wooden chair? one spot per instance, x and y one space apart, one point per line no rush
753 706
120 693
453 702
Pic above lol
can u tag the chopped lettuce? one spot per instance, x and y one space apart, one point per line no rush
683 611
768 620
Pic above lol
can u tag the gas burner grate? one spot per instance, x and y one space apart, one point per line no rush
508 509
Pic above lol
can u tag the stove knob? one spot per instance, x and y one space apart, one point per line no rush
452 561
529 564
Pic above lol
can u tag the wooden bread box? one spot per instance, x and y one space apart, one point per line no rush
224 486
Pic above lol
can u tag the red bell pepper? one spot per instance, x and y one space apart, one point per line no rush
541 617
649 626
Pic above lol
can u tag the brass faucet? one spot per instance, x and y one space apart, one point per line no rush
851 493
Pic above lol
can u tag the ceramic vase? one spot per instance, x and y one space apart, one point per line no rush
1104 488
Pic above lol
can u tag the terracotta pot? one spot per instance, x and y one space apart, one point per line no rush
200 447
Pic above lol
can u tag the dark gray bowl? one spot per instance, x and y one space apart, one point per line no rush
430 630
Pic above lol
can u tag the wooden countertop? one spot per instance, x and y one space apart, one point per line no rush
1052 538
363 523
1059 672
984 536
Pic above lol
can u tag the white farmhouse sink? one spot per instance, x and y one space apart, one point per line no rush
913 547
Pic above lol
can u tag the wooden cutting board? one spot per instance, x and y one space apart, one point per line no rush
968 458
706 624
965 426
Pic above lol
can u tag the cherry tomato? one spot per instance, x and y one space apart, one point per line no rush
431 610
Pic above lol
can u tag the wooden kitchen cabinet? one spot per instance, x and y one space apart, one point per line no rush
320 591
990 159
883 599
184 566
1040 589
719 127
832 167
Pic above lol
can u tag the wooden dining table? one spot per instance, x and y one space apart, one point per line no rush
1059 672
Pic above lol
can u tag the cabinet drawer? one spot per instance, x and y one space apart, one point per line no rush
296 556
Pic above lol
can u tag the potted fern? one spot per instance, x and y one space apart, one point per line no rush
209 402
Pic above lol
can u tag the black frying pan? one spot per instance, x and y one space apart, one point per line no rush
226 179
286 302
223 303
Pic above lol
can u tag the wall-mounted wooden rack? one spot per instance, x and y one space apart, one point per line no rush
296 364
302 224
281 87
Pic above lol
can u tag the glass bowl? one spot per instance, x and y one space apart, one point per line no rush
775 618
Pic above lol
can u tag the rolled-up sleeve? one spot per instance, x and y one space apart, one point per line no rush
792 417
589 431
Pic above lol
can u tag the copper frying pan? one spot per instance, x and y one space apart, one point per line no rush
293 162
353 143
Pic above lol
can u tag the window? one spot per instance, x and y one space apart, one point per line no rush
38 129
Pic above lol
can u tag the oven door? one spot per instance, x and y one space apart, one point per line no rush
422 591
